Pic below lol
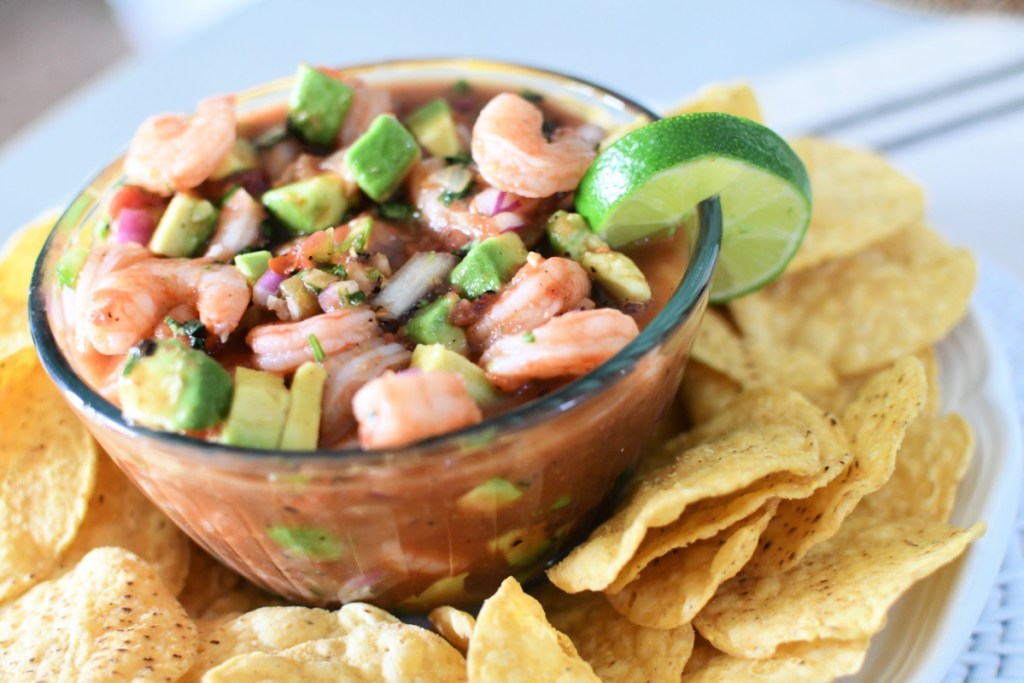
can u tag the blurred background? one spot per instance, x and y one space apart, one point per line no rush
937 85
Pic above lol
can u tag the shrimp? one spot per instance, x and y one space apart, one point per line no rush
513 154
570 345
398 409
540 290
238 226
175 153
367 105
284 347
103 260
347 372
126 305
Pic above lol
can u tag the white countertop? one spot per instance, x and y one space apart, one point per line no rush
811 60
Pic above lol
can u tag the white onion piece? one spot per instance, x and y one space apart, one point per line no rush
413 281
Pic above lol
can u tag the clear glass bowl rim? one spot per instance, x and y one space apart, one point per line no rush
677 310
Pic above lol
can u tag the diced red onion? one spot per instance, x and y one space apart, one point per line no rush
509 221
266 286
135 225
493 201
329 299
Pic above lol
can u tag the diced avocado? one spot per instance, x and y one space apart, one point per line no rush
317 280
382 156
302 425
615 272
307 541
434 127
258 410
451 589
309 205
431 325
360 229
187 223
489 265
317 105
437 357
70 265
300 299
166 385
241 157
490 495
253 265
562 501
522 546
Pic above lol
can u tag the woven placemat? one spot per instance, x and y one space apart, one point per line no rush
996 649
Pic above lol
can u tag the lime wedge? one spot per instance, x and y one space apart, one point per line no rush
646 183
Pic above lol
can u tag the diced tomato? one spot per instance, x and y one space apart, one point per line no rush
132 197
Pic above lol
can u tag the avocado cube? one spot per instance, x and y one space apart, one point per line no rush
430 325
434 128
241 157
259 407
187 223
166 385
253 265
382 156
70 265
446 591
489 496
302 425
436 357
309 205
317 105
523 546
489 265
570 235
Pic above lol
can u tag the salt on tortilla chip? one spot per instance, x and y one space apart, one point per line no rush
453 625
47 472
109 619
120 515
737 99
822 660
876 422
868 309
670 591
763 432
514 643
372 653
859 199
841 590
274 629
618 650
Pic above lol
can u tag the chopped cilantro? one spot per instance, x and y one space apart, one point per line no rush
340 271
193 329
531 95
397 211
318 351
548 128
461 86
102 229
146 347
461 159
355 298
529 338
448 197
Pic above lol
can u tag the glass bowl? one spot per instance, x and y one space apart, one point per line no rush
444 520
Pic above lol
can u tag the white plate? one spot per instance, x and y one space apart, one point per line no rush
930 625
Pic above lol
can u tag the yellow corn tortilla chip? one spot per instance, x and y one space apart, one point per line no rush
841 590
868 309
822 660
47 472
705 392
212 590
14 336
619 651
453 625
859 199
931 463
514 643
15 366
18 257
876 422
374 653
762 432
120 515
733 98
109 619
670 591
275 629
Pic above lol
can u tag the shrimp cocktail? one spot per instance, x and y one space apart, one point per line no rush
353 334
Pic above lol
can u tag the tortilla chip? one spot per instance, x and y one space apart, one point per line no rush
47 472
373 653
109 619
762 432
670 591
120 515
275 629
859 199
514 643
841 590
931 463
734 98
453 625
705 392
14 366
822 660
18 258
618 650
876 422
